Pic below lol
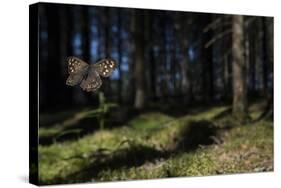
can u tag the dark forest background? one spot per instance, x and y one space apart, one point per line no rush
164 57
192 95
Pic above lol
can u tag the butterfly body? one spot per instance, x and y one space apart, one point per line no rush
88 76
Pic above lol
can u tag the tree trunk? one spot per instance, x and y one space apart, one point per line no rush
252 62
120 81
99 34
265 55
107 46
186 73
226 76
139 60
106 33
86 45
150 41
207 63
239 70
65 48
130 89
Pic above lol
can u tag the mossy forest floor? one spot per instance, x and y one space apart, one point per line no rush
154 145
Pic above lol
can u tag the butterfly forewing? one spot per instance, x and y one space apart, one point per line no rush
76 65
77 69
92 82
105 67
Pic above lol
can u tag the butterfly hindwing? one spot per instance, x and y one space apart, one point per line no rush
105 67
92 82
74 79
76 69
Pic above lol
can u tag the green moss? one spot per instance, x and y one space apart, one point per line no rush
142 150
151 120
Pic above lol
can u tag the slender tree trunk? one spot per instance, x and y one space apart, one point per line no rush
65 48
99 28
227 45
165 80
130 94
152 74
207 64
86 45
239 70
174 64
120 81
139 60
247 54
230 77
149 41
186 73
225 75
107 46
265 55
253 61
106 32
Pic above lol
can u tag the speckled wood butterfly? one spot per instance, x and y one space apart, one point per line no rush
88 75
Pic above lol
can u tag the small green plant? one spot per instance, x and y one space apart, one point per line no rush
102 111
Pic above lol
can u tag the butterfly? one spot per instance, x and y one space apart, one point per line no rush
88 76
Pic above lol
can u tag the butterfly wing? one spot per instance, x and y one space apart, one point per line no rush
105 67
77 70
74 79
92 82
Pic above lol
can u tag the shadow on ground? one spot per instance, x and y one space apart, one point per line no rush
72 125
194 134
